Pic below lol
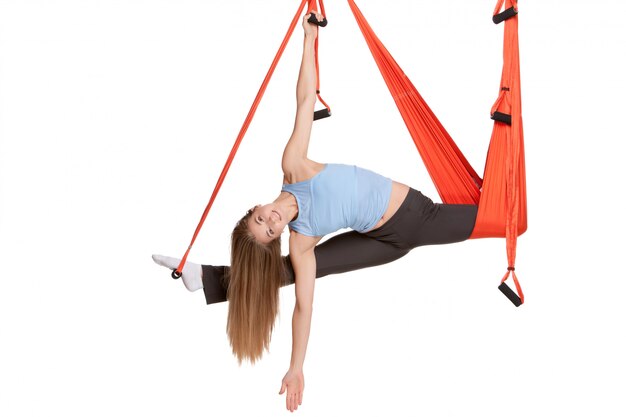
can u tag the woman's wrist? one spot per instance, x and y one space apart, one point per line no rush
296 363
295 368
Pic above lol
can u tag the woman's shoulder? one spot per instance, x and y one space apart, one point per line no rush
302 171
299 243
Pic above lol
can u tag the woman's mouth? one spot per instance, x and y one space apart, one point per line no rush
277 216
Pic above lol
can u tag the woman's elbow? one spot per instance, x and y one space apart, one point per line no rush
306 100
304 307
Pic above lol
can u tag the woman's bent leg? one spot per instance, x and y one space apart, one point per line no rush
342 253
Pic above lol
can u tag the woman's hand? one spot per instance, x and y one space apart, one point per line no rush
293 382
310 30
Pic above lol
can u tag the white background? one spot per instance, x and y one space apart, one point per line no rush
116 118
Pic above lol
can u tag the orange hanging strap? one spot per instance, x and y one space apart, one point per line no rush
320 114
178 272
505 172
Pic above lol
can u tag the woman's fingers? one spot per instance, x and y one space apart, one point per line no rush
318 16
293 401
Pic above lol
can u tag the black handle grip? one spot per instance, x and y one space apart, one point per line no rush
510 294
507 14
501 117
176 274
313 20
321 114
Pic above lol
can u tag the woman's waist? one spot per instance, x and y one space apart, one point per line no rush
397 198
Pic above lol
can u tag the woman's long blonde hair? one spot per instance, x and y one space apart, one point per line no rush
256 273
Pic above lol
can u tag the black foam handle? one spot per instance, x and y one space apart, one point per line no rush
501 117
510 294
321 114
313 20
507 14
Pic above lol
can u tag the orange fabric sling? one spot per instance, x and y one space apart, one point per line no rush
501 195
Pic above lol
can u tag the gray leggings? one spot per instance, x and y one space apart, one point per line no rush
417 222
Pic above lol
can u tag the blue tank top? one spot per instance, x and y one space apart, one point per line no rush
338 197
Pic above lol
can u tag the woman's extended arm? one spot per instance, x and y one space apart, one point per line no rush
297 147
303 259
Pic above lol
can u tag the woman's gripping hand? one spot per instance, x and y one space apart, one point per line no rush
310 30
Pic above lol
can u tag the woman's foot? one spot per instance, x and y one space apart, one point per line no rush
192 273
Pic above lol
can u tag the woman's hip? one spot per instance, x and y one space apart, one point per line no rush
419 221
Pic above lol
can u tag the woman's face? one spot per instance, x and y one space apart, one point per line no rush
267 222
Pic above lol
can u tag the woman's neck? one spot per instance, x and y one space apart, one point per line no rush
288 204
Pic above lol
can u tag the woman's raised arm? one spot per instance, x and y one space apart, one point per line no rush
297 147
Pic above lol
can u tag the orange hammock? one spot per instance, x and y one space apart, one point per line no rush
500 196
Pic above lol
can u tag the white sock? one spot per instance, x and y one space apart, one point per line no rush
192 273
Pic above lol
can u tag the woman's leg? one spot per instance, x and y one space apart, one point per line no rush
342 253
418 222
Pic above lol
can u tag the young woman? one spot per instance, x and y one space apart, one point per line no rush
388 220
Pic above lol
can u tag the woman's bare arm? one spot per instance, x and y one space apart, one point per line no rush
298 144
303 260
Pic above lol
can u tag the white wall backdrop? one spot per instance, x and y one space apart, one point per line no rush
116 118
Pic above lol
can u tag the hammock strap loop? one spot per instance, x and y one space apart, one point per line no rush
501 98
320 114
499 17
501 117
516 299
